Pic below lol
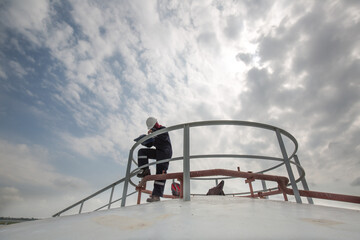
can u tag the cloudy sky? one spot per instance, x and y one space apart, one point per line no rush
79 78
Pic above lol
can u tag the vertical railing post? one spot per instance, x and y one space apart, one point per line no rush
127 179
111 196
288 166
303 181
186 163
81 206
263 183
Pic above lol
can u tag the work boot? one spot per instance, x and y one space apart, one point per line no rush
153 199
144 173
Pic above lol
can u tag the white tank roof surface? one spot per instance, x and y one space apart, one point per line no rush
204 217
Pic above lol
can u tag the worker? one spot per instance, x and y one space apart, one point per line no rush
163 150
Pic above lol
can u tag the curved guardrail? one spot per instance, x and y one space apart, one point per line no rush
186 127
286 160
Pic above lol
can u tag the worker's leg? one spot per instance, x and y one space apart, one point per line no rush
144 154
159 185
143 158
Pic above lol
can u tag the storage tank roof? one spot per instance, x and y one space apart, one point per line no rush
206 217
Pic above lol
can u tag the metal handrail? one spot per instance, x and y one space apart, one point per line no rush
117 200
186 156
82 201
286 160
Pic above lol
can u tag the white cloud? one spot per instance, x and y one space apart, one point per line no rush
2 73
88 146
17 69
24 164
29 17
26 175
9 195
234 25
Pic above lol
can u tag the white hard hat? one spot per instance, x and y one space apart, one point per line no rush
150 122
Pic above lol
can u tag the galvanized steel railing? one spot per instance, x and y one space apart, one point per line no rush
186 127
186 155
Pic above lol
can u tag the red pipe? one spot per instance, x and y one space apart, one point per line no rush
214 172
327 196
206 173
282 182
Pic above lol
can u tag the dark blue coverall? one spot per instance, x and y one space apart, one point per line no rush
163 151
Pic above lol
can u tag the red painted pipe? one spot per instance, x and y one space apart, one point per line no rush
215 172
206 173
327 196
282 182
